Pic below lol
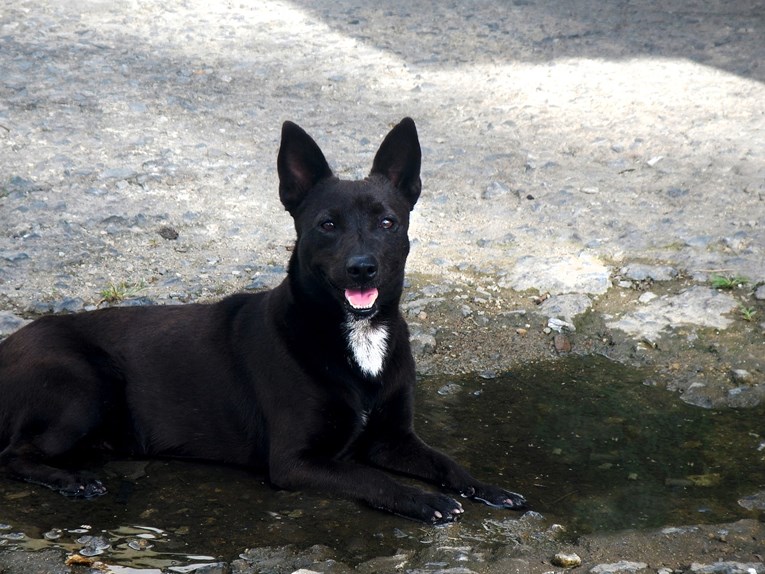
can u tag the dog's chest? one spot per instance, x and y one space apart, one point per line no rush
368 344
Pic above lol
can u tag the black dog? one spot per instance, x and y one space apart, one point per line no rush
310 382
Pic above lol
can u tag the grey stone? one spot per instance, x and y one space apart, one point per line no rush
741 376
698 305
119 173
14 257
618 567
697 395
558 274
69 305
495 189
10 323
753 502
745 397
647 297
728 568
559 325
759 293
642 272
567 306
423 341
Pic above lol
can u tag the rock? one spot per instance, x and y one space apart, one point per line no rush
212 568
728 568
567 306
394 563
621 566
10 323
495 189
559 274
641 272
745 397
698 305
423 342
753 502
69 305
559 325
449 389
566 560
286 560
122 173
14 256
168 232
695 395
562 343
759 293
741 376
647 297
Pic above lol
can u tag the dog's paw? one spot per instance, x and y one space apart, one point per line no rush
495 496
432 508
85 488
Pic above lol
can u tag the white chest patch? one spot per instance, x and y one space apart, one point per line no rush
368 344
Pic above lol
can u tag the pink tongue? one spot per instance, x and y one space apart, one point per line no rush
361 298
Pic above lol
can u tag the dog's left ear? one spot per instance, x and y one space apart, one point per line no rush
399 158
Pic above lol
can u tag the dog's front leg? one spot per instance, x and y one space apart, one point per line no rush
365 484
408 454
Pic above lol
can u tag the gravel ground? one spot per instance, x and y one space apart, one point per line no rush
595 163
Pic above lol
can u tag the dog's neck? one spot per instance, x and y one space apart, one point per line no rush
368 343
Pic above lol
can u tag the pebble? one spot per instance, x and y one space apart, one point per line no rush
53 534
647 297
566 560
93 545
562 343
741 376
759 293
169 233
559 325
449 389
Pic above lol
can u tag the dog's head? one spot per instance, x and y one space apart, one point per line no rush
352 240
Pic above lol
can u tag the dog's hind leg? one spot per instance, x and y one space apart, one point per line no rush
28 462
48 413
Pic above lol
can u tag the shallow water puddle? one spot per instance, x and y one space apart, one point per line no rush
590 445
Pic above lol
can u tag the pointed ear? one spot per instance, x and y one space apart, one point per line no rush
300 164
399 158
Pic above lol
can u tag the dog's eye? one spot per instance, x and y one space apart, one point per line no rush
328 225
388 223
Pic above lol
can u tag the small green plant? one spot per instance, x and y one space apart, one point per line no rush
747 313
728 283
116 292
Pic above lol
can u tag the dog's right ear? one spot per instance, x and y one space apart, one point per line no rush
301 165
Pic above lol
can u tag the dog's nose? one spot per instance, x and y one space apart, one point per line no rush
361 268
